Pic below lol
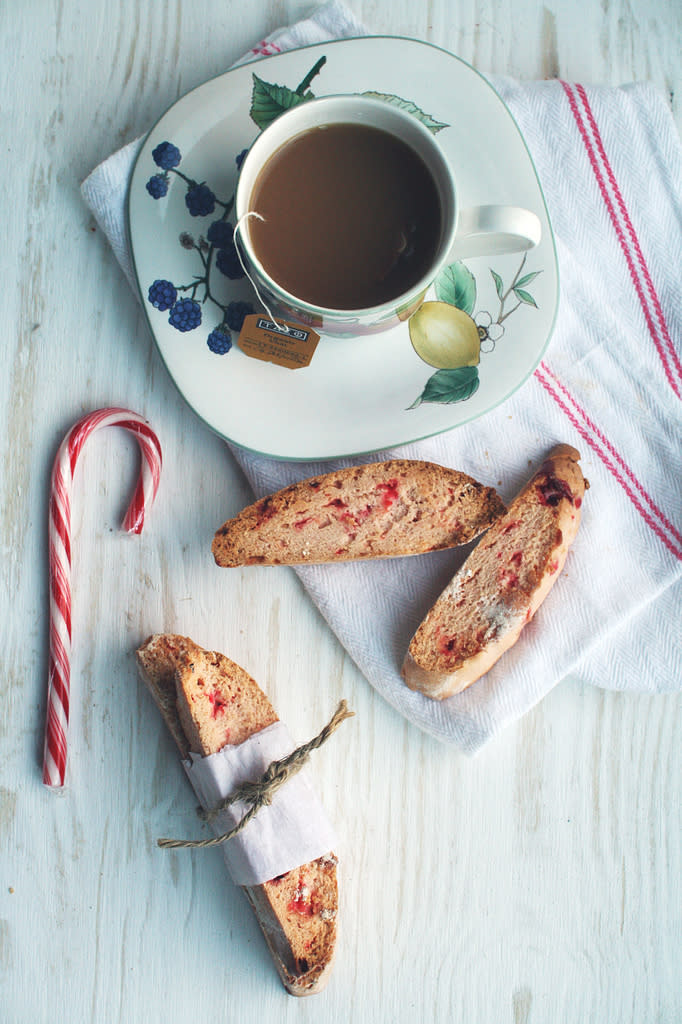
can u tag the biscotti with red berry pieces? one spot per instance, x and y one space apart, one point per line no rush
208 701
377 510
502 583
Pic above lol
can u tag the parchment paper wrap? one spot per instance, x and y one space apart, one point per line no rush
293 830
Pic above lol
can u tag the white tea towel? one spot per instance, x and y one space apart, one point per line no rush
610 164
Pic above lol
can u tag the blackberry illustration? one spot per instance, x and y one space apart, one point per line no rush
166 155
185 315
227 262
219 340
162 294
199 200
157 186
220 234
236 313
215 247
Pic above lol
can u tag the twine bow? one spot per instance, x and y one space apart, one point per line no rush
260 792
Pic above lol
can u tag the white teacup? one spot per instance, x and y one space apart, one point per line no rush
474 231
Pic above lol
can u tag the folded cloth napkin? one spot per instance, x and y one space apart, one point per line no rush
610 164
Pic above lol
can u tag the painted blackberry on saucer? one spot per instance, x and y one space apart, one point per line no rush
215 249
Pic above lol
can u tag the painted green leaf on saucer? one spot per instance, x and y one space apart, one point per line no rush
446 387
457 285
269 101
411 108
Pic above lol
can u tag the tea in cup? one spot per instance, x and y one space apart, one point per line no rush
347 210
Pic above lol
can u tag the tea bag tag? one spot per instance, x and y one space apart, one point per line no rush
284 343
273 341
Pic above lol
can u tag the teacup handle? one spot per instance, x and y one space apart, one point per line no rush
492 230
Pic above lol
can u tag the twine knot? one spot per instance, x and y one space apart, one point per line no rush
260 792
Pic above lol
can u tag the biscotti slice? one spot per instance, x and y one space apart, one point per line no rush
207 701
378 510
498 589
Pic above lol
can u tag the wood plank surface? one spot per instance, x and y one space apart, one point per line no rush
539 882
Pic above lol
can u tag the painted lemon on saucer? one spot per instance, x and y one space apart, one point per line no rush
444 336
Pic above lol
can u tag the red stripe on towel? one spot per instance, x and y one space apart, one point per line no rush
630 229
652 515
659 332
589 423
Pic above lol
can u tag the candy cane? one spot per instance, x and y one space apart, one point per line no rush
54 755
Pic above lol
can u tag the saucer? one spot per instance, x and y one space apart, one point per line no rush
358 394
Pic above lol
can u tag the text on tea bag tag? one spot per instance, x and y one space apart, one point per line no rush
283 343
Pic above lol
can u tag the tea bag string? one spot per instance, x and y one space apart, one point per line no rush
260 792
284 328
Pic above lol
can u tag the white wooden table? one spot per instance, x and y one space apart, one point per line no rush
539 882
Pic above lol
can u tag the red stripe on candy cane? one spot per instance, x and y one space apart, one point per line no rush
59 547
643 503
627 237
